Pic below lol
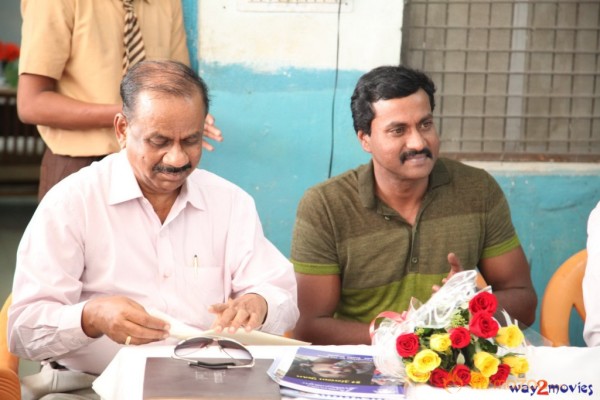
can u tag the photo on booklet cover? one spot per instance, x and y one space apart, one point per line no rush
319 371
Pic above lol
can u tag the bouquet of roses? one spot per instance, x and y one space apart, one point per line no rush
452 340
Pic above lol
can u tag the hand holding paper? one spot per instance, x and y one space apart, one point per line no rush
248 311
122 319
178 329
181 330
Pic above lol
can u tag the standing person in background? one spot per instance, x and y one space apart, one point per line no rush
591 280
73 57
369 239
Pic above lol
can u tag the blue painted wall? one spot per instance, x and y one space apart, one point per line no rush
280 133
289 129
550 214
279 136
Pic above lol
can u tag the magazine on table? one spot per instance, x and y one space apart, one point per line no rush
333 375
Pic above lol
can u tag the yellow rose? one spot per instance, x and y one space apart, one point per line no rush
416 376
510 336
486 363
426 361
478 381
518 364
440 342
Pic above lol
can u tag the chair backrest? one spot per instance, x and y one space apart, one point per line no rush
561 295
10 386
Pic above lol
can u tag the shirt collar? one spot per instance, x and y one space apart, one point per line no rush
124 185
191 193
439 176
366 185
144 1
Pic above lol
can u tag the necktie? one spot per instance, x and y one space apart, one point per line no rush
132 39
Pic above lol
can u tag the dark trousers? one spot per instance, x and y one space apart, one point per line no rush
56 167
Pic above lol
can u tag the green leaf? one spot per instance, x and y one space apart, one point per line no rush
11 73
447 361
487 346
468 352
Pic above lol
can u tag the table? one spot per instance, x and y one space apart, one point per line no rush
578 367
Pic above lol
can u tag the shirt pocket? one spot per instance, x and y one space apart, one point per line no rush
204 283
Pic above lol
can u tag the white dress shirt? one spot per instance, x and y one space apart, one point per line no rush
94 234
591 281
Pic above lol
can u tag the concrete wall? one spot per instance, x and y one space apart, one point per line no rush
284 109
10 21
550 205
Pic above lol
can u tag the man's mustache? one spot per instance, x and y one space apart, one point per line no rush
171 170
411 153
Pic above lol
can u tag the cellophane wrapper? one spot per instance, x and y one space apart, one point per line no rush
435 313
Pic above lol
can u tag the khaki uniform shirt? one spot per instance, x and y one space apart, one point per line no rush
80 44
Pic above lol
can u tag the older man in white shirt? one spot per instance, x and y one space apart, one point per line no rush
144 228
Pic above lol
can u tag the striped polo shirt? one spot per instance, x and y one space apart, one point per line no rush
343 228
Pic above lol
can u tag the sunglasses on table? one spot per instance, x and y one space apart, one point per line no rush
193 351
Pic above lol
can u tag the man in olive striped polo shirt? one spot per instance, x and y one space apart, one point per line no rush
370 239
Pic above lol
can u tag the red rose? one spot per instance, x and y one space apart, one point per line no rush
8 52
407 345
461 375
439 378
483 325
501 376
483 302
460 337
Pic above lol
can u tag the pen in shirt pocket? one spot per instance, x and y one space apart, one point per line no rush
195 263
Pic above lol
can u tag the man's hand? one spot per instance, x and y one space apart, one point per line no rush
119 317
248 311
211 132
455 266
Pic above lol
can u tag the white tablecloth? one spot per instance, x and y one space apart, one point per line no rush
573 369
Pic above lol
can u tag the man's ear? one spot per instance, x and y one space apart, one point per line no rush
365 141
121 125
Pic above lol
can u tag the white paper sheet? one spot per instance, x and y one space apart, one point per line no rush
181 330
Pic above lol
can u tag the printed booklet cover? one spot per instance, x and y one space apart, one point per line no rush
324 372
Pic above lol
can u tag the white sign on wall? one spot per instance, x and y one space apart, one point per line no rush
232 33
295 5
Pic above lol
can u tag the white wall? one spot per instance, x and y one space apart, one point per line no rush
265 41
10 21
